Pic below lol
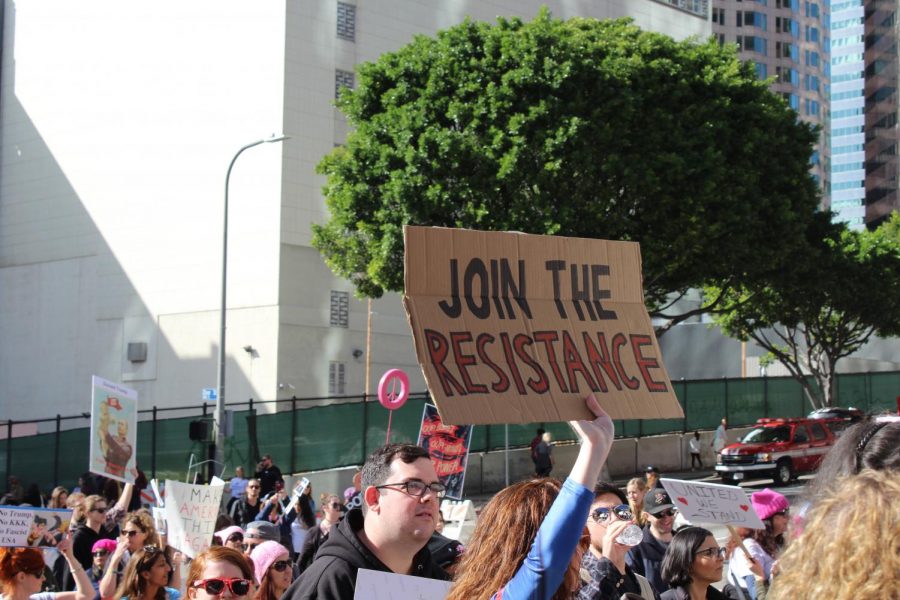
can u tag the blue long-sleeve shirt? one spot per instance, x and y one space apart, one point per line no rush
545 566
284 521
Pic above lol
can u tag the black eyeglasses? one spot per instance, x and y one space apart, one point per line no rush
131 533
216 586
235 537
601 513
248 547
713 553
281 565
100 553
416 488
669 512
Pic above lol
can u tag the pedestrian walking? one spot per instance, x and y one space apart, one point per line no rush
694 445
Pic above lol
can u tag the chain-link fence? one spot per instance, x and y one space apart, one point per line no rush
303 435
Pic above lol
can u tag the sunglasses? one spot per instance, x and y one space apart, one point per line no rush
622 512
216 586
281 565
248 547
713 553
101 553
100 510
131 533
669 512
235 537
336 505
252 487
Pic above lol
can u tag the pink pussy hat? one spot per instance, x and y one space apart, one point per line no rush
265 555
768 502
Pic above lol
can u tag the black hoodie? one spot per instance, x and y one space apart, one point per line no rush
332 575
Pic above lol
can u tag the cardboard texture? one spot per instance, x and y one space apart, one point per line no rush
518 328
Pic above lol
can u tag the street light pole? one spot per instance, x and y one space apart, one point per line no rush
220 383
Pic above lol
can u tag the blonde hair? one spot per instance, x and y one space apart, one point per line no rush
143 520
850 545
637 508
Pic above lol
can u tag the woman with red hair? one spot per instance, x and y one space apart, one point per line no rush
22 574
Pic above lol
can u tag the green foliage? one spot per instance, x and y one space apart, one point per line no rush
579 128
838 296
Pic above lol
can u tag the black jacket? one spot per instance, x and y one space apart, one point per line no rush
646 559
332 575
680 593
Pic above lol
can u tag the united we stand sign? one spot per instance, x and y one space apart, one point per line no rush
519 328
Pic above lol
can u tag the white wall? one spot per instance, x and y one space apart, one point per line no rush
119 121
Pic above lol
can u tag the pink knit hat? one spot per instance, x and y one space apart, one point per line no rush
265 555
768 502
227 532
108 545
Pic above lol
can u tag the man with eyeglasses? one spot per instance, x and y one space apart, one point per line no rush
401 494
604 573
646 557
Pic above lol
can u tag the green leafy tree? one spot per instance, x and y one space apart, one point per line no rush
842 295
579 128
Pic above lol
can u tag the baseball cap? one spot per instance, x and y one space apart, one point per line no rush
656 501
261 530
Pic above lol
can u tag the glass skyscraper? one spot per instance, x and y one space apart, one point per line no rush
848 107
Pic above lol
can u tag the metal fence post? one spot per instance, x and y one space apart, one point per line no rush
9 428
365 427
153 444
765 395
293 434
56 452
727 416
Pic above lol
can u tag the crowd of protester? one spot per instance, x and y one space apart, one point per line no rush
539 538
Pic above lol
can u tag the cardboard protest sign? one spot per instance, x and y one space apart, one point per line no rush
191 512
113 430
517 328
712 503
34 527
381 585
448 446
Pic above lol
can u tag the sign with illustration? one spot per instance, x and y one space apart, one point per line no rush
448 446
33 527
113 430
712 503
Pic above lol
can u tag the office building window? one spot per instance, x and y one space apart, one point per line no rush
337 385
718 16
340 309
343 79
346 21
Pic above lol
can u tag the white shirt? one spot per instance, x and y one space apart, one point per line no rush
694 445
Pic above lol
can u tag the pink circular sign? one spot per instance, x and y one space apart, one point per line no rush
390 397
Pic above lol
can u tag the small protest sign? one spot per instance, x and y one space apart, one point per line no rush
448 446
34 527
382 585
712 503
517 328
191 512
113 430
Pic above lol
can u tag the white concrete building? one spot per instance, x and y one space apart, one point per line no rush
117 123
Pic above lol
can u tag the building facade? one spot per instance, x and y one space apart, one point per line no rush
787 40
117 124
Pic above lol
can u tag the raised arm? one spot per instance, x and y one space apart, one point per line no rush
110 580
83 588
545 566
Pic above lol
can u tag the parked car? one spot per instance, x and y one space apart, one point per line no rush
778 448
842 417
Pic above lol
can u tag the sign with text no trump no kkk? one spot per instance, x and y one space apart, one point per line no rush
518 328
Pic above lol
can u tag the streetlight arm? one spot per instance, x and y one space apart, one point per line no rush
220 385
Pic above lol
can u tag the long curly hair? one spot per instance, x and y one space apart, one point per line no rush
502 538
143 520
850 547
